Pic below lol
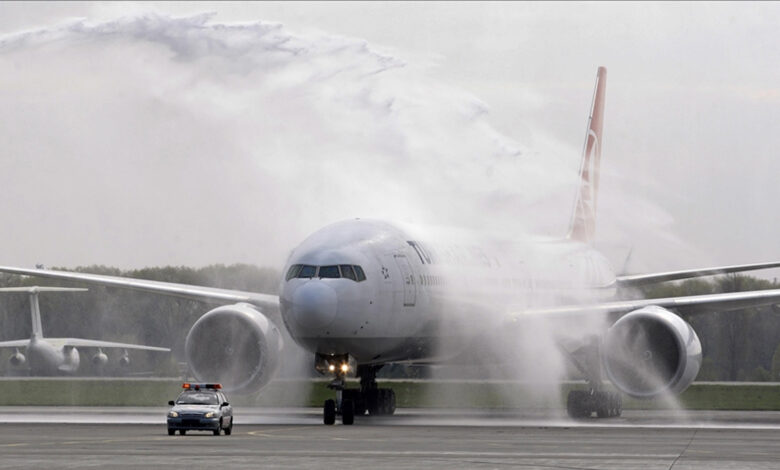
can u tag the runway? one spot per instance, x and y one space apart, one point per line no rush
430 438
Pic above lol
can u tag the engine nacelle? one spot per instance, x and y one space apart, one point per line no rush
651 351
235 345
17 359
124 360
100 359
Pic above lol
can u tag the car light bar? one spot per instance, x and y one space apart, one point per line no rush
193 386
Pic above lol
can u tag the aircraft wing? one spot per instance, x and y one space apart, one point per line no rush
687 304
91 343
17 343
204 294
637 280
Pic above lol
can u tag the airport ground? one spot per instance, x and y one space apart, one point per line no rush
92 391
76 437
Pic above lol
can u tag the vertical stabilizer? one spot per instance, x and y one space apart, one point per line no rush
583 222
35 311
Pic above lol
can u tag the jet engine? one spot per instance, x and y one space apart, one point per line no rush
235 345
100 358
124 359
17 359
650 351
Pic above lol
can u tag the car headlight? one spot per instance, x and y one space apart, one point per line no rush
173 414
210 414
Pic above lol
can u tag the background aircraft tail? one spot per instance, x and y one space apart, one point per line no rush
583 222
35 311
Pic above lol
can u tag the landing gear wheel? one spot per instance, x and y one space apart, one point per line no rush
347 412
603 404
329 412
576 404
171 432
390 401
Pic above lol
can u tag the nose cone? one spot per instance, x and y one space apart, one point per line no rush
314 305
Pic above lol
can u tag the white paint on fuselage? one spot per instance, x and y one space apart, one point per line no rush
426 285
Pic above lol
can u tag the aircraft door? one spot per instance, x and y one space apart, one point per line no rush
410 287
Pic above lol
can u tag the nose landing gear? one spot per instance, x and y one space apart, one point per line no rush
351 402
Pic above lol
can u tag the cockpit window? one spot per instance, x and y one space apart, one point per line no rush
361 276
329 272
347 272
293 271
307 271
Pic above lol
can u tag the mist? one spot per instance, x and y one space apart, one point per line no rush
179 140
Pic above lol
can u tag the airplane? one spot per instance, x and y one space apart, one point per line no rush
360 294
53 356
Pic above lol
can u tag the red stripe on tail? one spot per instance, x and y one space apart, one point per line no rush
583 222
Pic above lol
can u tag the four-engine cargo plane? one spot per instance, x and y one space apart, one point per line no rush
360 294
52 356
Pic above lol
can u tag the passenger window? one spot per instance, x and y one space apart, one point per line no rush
347 272
307 271
329 272
361 276
293 271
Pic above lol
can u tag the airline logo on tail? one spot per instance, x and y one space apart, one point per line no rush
583 223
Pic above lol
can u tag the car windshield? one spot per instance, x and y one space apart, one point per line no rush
197 398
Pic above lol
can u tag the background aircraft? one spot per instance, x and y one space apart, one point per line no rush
52 356
360 294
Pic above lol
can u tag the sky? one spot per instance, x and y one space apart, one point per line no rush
148 134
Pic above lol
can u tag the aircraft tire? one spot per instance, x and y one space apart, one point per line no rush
577 404
390 401
329 412
347 412
603 409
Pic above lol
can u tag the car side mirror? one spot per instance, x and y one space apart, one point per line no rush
225 404
171 403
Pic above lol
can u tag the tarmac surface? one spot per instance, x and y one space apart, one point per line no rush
68 437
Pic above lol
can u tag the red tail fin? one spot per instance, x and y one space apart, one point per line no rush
583 222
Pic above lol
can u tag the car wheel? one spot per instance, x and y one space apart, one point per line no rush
171 432
229 429
182 431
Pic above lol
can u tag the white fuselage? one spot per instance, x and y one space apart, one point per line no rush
45 358
423 288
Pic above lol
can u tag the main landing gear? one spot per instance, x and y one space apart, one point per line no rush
351 402
583 403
